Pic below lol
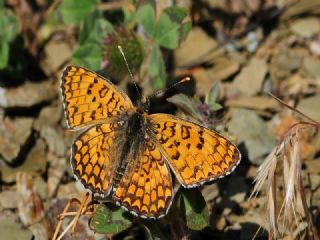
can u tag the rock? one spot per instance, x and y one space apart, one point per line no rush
54 140
312 66
35 162
314 47
13 135
190 53
28 94
210 193
11 229
313 166
9 199
256 102
284 63
41 230
40 187
223 70
203 81
55 172
305 27
239 197
251 77
56 53
70 190
254 132
49 116
310 107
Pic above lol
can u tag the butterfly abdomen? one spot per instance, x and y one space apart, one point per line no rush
129 149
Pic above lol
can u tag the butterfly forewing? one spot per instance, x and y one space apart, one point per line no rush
89 97
195 153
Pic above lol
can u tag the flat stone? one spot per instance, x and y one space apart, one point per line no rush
305 27
255 102
13 135
195 48
49 116
28 94
56 53
284 63
54 140
249 128
40 187
311 65
250 79
57 168
314 47
203 81
9 199
223 70
34 163
11 229
310 107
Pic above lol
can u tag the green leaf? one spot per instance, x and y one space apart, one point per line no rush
176 14
9 25
74 11
184 30
109 219
197 214
211 98
170 29
129 17
146 16
185 103
95 29
167 32
89 56
157 69
4 54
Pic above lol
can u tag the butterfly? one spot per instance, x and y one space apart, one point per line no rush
128 154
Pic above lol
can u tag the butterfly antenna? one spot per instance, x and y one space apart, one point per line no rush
131 75
185 79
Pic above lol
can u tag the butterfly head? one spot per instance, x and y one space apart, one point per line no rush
143 105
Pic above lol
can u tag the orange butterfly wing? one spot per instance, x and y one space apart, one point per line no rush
195 153
92 157
146 187
88 98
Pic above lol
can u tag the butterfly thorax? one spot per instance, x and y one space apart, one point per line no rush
129 149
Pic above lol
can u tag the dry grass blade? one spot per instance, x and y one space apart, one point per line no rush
294 171
265 172
84 203
288 152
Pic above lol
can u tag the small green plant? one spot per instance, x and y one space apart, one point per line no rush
204 112
99 39
189 210
9 30
167 32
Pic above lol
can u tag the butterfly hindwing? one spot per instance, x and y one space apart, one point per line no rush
146 187
93 157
